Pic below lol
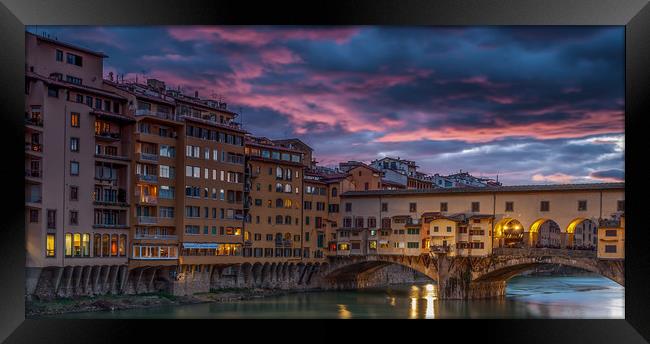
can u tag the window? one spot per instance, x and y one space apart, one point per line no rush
610 233
73 80
74 193
74 120
413 245
384 207
544 206
510 206
52 92
610 248
448 229
50 247
476 207
74 168
412 207
74 217
443 206
74 59
620 206
33 215
51 219
334 192
74 144
348 207
59 55
582 205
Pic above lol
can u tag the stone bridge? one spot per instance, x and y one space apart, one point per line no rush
469 277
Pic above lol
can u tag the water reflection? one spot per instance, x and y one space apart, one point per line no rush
344 313
527 297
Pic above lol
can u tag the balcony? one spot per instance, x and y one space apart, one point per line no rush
107 136
112 157
162 115
33 147
33 199
149 178
34 121
148 199
147 220
111 225
143 236
33 173
440 248
283 243
148 156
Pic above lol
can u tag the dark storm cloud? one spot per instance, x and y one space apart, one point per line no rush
534 104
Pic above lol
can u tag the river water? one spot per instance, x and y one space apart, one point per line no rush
580 296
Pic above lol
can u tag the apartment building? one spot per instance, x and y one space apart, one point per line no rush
274 221
77 164
189 178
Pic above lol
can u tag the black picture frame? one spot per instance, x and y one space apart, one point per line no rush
633 14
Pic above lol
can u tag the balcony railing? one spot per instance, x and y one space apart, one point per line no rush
147 220
148 178
108 135
440 248
38 122
149 156
34 199
155 236
148 199
35 147
33 173
110 225
163 115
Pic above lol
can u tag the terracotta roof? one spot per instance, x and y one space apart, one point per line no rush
74 86
68 45
496 189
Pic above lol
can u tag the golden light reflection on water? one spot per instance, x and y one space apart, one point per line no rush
344 313
430 295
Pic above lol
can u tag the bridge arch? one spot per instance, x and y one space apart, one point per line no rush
504 270
509 232
582 233
353 268
546 232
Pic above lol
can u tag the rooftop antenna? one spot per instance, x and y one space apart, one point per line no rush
241 116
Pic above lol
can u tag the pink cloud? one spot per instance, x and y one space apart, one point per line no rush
560 178
259 37
592 123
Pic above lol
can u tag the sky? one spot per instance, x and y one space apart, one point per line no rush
533 105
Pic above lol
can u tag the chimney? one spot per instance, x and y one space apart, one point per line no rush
196 94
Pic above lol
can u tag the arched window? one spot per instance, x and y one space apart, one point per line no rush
287 220
85 245
335 192
97 245
287 203
278 187
287 188
106 245
288 174
287 236
114 245
278 236
122 247
278 172
278 203
278 219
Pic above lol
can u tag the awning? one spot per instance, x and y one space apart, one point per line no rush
200 245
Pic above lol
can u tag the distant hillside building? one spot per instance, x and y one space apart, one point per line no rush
462 179
401 173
